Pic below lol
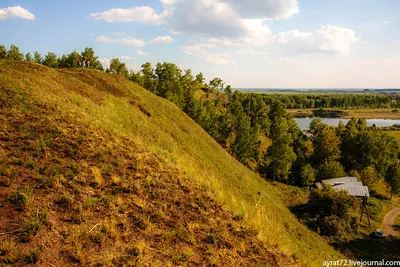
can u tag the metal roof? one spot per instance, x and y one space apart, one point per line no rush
349 184
342 180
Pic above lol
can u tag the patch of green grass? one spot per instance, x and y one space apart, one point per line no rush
21 197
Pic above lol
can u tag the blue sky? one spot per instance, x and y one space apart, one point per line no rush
252 43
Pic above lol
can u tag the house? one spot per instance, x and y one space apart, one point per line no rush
349 184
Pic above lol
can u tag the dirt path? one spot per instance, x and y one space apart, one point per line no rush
388 222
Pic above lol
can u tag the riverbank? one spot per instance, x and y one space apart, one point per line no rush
354 113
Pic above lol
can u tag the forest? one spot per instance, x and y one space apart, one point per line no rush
256 129
343 101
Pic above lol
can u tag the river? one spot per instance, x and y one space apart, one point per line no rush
304 123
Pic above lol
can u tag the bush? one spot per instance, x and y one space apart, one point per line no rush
332 211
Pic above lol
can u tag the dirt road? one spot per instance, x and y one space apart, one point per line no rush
388 222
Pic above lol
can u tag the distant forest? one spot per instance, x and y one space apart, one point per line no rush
331 100
256 129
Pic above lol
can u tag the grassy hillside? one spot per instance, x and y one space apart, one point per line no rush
107 172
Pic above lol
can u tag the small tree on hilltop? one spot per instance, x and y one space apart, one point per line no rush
14 54
3 52
51 60
37 58
28 57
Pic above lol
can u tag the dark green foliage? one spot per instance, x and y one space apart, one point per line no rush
393 178
307 175
117 67
37 58
50 60
3 52
28 57
14 54
217 84
69 61
369 176
280 156
364 146
326 143
93 61
330 211
343 101
331 170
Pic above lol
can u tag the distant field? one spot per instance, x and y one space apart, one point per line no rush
359 113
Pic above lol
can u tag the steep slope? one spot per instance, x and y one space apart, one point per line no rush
123 174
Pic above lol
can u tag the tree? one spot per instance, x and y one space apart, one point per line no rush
369 176
332 211
307 175
3 52
37 58
148 76
69 61
326 145
50 60
28 57
93 62
331 170
280 155
136 77
118 67
200 78
14 54
393 178
217 84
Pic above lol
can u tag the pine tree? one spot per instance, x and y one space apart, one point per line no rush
28 57
37 58
14 54
3 52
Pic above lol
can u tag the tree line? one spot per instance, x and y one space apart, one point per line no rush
261 134
355 101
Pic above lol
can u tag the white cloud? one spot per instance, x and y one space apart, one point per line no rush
387 22
208 18
162 39
105 62
15 11
142 14
211 57
127 57
286 61
327 39
266 9
220 59
253 53
126 41
142 53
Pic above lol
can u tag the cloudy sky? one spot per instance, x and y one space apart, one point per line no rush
248 43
